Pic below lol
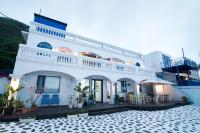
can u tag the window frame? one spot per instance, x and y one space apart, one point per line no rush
123 86
43 84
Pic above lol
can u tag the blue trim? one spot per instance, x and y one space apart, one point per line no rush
44 45
49 22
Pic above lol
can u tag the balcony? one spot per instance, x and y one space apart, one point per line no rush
183 64
58 58
188 83
60 34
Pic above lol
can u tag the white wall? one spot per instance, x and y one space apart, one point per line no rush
36 37
153 60
193 92
67 84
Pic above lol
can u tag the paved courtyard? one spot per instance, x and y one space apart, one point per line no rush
185 119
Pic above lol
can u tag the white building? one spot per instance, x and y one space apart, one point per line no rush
57 60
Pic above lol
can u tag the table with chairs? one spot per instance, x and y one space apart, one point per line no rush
146 99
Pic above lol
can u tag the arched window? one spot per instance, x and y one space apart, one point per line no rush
44 45
137 64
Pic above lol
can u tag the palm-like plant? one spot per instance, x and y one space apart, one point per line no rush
81 92
10 93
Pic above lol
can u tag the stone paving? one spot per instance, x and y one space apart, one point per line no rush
185 119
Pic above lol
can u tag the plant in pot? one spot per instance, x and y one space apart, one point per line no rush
34 96
9 96
2 103
70 100
19 105
185 99
117 99
81 93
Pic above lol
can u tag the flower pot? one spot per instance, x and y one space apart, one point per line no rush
80 105
8 110
70 106
33 108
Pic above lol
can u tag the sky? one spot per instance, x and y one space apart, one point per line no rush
142 26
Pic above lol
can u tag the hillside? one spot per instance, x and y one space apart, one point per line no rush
10 37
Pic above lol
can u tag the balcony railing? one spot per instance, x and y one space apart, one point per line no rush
189 83
53 57
179 62
50 31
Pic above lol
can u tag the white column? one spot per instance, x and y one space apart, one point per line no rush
112 89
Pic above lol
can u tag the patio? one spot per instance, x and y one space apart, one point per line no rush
98 109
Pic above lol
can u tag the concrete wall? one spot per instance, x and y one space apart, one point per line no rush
153 60
193 92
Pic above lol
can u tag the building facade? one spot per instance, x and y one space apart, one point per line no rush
53 61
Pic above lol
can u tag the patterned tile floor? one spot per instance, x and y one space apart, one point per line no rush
184 119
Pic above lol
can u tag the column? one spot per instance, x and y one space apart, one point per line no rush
111 92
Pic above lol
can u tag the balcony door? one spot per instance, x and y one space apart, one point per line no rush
97 89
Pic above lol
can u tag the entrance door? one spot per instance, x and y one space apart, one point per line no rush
97 89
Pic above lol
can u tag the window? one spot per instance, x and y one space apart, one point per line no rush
48 84
123 86
44 45
166 61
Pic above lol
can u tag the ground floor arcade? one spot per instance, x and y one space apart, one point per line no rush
60 87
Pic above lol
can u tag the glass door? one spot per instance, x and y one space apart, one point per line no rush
97 89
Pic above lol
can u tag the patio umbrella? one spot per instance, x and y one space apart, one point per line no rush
90 54
64 50
115 60
157 81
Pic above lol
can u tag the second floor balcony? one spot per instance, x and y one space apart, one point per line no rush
58 59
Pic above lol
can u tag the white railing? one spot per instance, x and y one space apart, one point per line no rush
53 57
73 37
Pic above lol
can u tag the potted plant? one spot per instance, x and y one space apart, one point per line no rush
72 114
185 99
70 100
117 99
81 92
19 105
91 99
2 104
33 98
9 96
83 113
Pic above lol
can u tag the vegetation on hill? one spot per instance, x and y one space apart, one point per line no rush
10 37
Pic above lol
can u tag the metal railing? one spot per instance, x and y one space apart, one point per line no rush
188 83
179 62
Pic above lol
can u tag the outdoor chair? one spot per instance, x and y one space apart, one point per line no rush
45 100
55 99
